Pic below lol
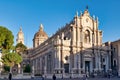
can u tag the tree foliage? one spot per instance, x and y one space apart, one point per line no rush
6 38
20 47
10 59
6 68
6 44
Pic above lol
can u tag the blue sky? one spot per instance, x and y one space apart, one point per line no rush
54 14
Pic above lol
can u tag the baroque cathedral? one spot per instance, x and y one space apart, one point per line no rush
75 49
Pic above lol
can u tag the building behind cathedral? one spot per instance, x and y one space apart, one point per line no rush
115 57
75 49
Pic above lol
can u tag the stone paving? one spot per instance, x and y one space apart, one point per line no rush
71 79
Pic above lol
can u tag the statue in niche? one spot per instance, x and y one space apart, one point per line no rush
87 36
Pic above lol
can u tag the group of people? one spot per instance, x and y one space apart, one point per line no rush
53 77
10 76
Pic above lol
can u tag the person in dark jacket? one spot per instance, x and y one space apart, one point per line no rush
54 77
10 76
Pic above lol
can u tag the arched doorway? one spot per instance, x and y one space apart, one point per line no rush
87 66
66 67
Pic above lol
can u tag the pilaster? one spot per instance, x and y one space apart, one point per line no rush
59 57
96 61
81 44
45 64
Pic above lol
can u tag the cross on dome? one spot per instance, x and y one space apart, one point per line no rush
41 27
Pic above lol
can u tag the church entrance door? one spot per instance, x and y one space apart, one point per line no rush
66 67
87 66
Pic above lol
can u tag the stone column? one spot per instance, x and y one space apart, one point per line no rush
33 69
73 35
45 64
81 45
59 58
79 68
78 36
98 39
40 65
101 57
75 61
109 52
71 49
96 61
81 51
78 44
109 60
19 68
99 60
56 59
36 68
61 51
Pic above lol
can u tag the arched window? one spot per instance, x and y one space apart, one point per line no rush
87 36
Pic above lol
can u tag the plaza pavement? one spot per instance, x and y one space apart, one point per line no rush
115 78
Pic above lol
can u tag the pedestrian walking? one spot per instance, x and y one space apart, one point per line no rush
42 78
54 77
109 75
10 76
85 77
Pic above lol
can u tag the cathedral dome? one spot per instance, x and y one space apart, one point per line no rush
39 37
40 33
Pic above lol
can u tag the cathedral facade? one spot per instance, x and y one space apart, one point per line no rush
76 48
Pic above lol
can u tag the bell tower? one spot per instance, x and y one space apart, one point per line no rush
20 37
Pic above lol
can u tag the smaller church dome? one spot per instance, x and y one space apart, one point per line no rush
40 33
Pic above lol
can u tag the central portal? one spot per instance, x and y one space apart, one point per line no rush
66 67
87 66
